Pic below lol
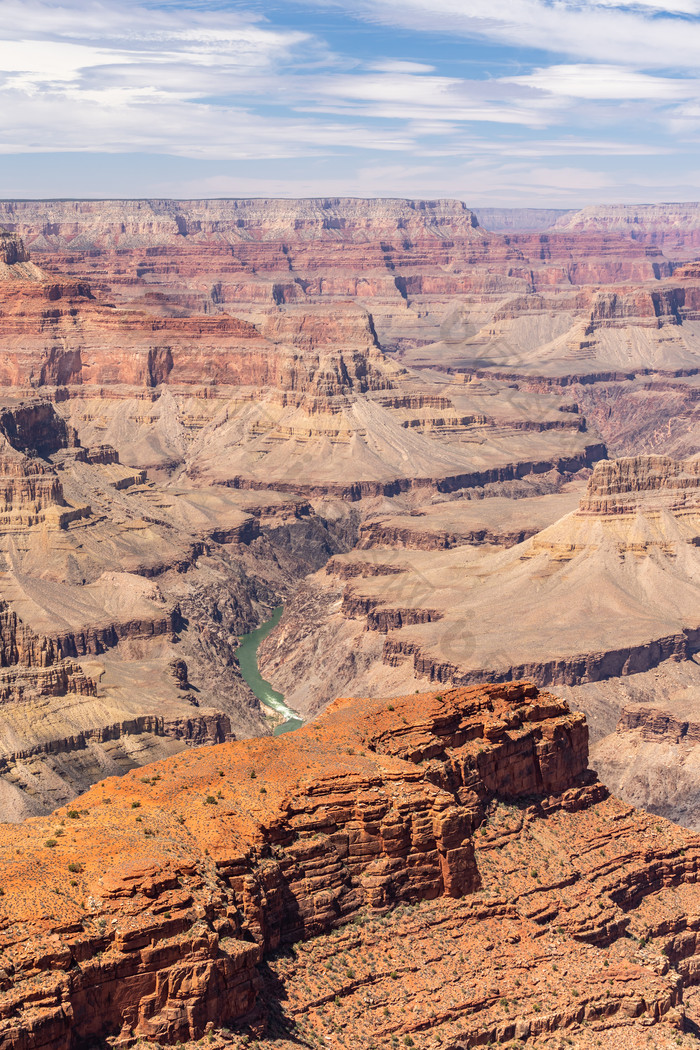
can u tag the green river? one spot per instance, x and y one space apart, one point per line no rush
247 653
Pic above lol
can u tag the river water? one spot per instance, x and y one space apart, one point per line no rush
247 653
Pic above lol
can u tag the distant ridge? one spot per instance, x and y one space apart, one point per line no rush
525 220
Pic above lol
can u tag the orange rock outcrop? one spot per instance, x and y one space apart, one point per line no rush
458 843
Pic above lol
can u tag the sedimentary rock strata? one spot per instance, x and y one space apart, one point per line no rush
170 902
675 226
609 590
456 447
205 401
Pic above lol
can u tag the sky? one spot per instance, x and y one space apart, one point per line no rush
502 103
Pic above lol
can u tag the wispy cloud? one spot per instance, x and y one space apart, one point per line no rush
607 82
645 34
213 81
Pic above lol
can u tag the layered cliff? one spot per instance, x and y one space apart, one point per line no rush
127 224
14 259
209 399
672 225
617 580
472 809
122 606
521 219
643 484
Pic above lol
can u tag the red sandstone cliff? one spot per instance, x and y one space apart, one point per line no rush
163 897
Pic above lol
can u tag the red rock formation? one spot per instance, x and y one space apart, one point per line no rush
90 224
33 666
239 345
12 250
657 724
161 895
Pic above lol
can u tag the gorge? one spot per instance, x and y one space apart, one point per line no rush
247 655
260 455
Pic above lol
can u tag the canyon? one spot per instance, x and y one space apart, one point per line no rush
396 421
460 449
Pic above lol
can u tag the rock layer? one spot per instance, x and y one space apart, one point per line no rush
186 881
206 400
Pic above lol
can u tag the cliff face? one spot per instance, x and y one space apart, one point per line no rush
14 259
205 400
643 483
184 882
125 224
521 219
12 249
673 225
617 578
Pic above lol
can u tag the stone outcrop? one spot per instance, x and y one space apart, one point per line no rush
12 250
164 897
657 724
14 259
643 483
442 609
125 224
671 225
30 665
521 219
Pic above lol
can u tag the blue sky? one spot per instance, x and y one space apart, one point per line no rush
554 103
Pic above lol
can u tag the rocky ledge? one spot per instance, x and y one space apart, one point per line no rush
649 483
451 848
14 260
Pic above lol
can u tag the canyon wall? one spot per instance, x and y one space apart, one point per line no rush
205 401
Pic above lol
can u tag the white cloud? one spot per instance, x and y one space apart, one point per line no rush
196 81
606 82
408 97
120 78
142 125
397 66
643 34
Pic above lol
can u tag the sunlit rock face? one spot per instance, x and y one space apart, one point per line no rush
221 891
